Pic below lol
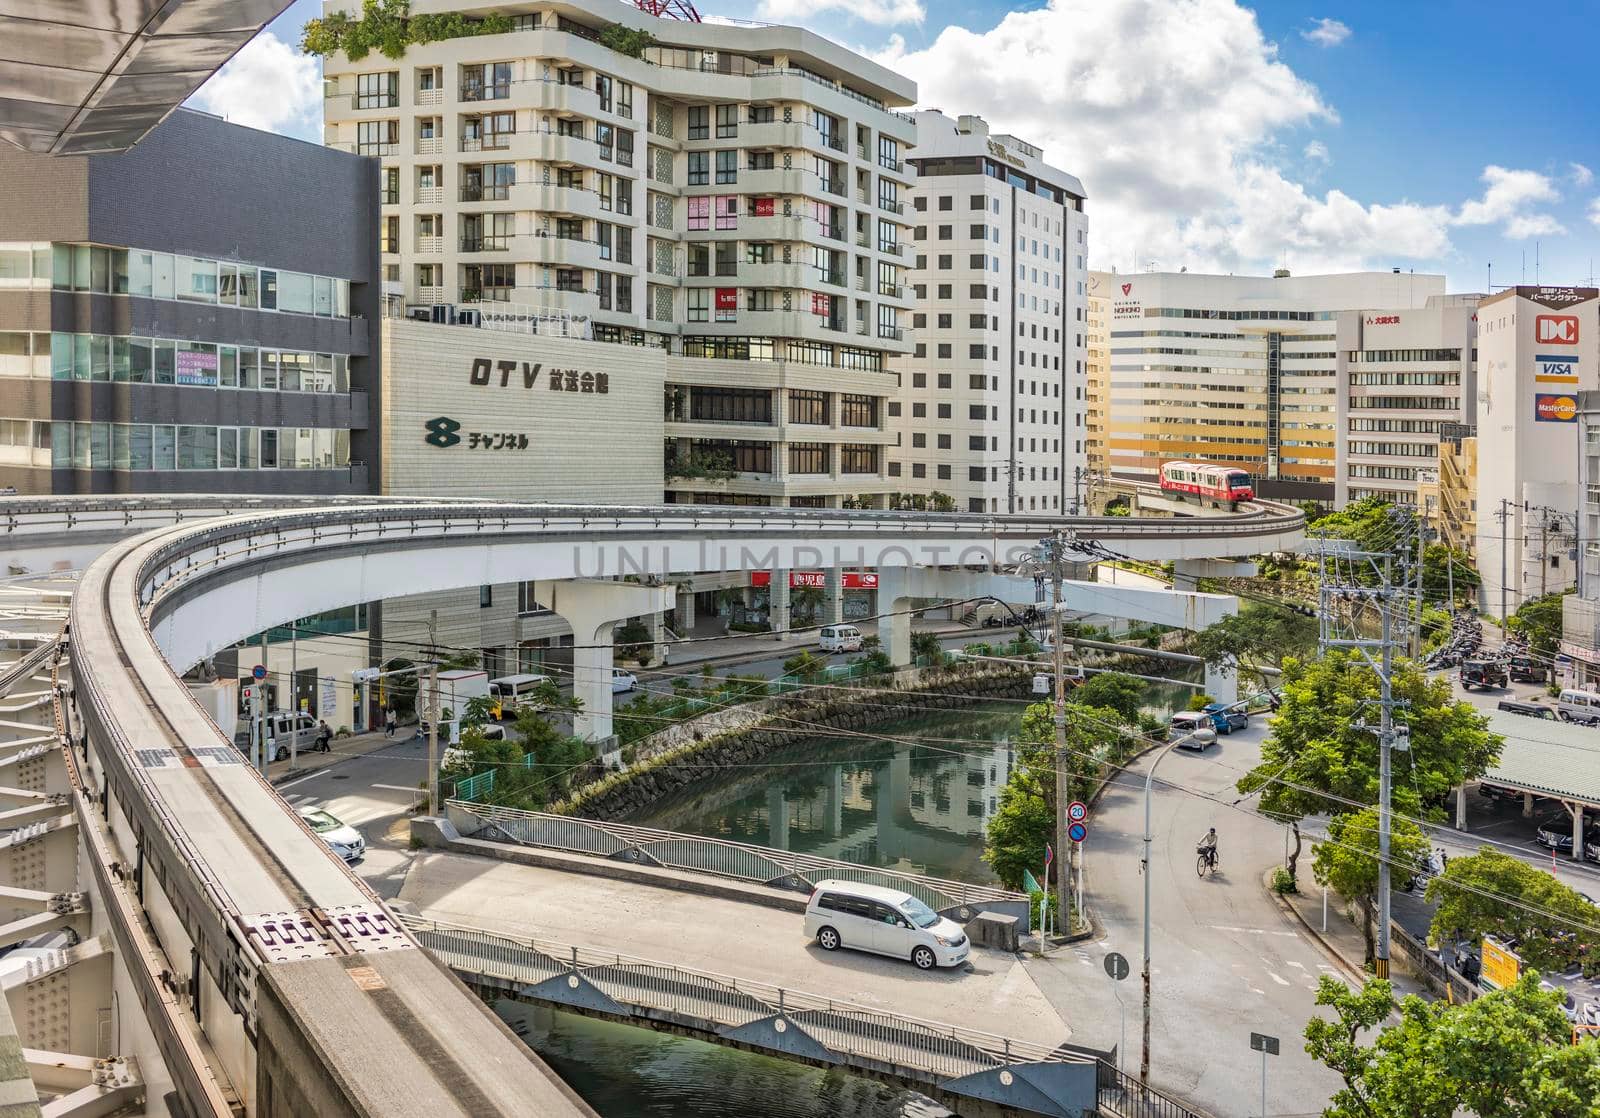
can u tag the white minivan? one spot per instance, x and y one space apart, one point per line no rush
512 692
841 638
873 918
1578 706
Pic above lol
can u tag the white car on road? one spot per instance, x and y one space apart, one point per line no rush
622 680
345 840
887 921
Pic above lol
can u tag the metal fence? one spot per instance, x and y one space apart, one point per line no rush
933 1051
480 785
764 865
1431 968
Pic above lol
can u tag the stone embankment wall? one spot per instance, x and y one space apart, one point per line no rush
740 735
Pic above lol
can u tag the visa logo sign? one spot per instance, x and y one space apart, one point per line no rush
1558 365
1562 329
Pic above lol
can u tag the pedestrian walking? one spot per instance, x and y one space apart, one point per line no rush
388 722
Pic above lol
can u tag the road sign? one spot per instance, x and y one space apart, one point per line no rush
1077 832
1117 965
1077 811
259 671
1261 1042
1049 856
245 693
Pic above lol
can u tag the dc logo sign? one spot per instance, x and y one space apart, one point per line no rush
442 432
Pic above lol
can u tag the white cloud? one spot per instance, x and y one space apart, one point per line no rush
1177 142
1579 175
885 13
267 85
1594 211
1326 33
1508 200
1317 152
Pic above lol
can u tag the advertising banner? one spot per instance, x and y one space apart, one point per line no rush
1500 966
197 366
1553 408
853 580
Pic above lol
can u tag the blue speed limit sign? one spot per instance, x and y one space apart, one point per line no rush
1077 832
1077 811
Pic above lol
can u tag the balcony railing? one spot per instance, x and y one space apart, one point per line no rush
491 91
430 97
892 333
893 248
378 149
891 291
430 145
890 164
497 192
833 278
493 141
430 244
861 151
833 232
376 101
891 206
485 244
430 195
863 241
834 187
861 283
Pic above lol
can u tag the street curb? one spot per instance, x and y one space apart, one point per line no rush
1096 929
1351 970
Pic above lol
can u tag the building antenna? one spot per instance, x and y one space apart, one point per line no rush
1524 265
1489 290
1536 263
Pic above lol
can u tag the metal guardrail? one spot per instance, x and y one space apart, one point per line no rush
762 865
929 1051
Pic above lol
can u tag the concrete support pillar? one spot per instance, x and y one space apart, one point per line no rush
1222 683
1576 811
778 604
833 802
593 608
832 612
1527 805
894 626
654 622
1461 807
686 612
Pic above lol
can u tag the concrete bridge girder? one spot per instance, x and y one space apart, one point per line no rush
62 1000
593 607
42 856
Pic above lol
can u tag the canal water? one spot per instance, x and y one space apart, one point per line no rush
914 795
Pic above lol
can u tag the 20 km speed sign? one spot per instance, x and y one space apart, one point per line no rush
1077 811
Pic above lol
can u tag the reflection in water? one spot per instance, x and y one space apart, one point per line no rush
878 801
623 1071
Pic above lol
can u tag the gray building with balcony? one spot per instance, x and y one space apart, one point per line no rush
196 314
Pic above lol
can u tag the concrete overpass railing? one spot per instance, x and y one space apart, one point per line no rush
760 865
987 1074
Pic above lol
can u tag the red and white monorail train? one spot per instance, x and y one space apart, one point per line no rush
1207 479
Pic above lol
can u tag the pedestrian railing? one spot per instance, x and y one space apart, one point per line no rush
929 1051
1432 969
764 865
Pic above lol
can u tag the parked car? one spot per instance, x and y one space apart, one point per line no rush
1482 673
1555 832
1226 718
1525 669
1189 729
1531 710
886 921
1579 706
1497 794
622 681
345 840
840 638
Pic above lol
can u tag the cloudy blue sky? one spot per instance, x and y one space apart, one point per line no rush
1433 135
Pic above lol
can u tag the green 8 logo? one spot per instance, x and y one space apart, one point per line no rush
442 432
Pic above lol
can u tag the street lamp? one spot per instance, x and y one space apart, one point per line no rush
1144 868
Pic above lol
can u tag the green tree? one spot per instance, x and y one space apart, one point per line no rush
1540 622
927 646
1114 691
1025 813
1317 760
480 709
1504 1055
804 601
1258 634
805 664
1490 893
388 27
1444 567
1347 862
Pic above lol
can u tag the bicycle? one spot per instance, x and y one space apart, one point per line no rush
1206 861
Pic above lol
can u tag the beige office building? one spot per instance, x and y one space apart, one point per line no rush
734 196
1097 390
1239 370
991 402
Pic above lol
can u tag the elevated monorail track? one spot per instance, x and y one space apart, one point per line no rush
312 999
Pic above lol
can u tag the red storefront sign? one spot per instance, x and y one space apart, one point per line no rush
853 580
727 298
763 207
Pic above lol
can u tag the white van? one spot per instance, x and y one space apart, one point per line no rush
1579 706
841 638
1192 729
285 727
512 692
887 921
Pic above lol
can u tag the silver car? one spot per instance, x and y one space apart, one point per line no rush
344 839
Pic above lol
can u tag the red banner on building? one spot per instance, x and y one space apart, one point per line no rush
853 580
763 207
727 298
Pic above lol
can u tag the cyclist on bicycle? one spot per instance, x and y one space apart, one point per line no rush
1208 846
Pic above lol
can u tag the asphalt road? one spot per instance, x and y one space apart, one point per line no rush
1225 962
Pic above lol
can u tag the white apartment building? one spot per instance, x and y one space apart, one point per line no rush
732 194
1537 350
1240 370
991 403
1404 378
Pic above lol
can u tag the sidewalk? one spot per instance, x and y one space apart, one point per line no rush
343 749
1343 940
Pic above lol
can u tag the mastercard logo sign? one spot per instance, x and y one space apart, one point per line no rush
1552 408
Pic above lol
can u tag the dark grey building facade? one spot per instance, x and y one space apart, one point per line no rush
197 314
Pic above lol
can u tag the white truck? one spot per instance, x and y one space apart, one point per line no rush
457 688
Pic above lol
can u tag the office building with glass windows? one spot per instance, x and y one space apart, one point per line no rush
195 314
734 195
1242 371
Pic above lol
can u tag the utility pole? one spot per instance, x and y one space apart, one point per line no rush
1056 548
433 739
1502 514
1336 587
